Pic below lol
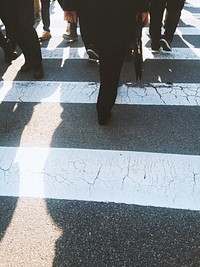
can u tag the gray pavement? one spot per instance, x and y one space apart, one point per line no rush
55 232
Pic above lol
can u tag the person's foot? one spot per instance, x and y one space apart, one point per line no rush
71 37
38 72
45 36
155 47
103 118
166 45
92 53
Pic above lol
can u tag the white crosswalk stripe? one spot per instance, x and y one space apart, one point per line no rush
180 94
156 179
141 178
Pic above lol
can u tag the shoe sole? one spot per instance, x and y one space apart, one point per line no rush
70 39
92 55
91 60
154 51
42 40
165 45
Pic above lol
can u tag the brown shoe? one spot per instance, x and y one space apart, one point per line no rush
45 36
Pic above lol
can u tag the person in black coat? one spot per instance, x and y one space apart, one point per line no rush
18 17
109 25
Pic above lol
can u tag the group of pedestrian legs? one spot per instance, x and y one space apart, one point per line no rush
107 29
172 10
42 13
18 18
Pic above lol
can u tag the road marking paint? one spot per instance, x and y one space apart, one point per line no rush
79 53
179 94
164 180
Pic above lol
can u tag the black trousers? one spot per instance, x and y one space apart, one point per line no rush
45 12
109 25
157 8
111 62
18 18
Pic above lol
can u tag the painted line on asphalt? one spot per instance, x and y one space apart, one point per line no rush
57 32
80 53
184 30
164 180
178 94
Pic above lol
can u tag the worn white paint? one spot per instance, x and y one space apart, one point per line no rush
185 94
164 180
79 53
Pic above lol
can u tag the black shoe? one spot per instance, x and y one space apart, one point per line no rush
103 119
70 37
155 47
8 51
26 67
166 45
92 53
38 72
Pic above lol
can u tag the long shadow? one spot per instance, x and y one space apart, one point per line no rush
13 122
14 117
109 234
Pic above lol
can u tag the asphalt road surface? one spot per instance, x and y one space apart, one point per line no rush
73 193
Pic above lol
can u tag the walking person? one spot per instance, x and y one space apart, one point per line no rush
157 9
18 16
71 28
45 13
100 24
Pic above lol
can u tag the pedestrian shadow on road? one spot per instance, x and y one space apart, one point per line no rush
110 234
14 117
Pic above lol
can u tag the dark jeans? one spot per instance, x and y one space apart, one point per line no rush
18 18
157 8
45 12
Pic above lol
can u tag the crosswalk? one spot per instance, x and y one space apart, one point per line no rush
134 167
51 146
